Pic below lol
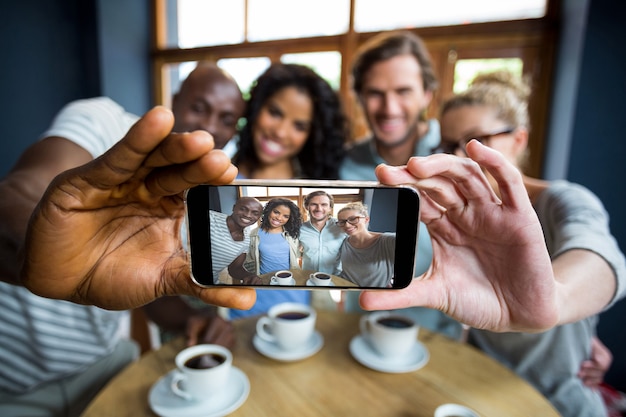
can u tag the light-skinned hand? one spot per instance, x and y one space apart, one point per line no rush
491 268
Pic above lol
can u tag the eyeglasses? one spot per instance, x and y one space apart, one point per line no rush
446 146
352 220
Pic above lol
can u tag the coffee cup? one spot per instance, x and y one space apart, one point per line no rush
390 334
454 410
288 325
283 277
320 278
202 370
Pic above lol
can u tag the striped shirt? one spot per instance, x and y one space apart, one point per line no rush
224 249
42 339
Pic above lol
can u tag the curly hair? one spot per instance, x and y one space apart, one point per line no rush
292 227
323 151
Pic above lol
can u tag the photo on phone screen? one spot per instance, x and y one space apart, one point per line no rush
302 234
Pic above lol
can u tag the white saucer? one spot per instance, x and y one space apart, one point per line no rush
416 358
167 404
270 349
292 283
310 283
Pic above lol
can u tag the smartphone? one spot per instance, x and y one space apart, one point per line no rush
368 239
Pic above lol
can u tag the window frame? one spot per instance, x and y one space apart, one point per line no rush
532 40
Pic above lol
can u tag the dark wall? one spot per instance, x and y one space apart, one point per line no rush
57 51
50 59
598 149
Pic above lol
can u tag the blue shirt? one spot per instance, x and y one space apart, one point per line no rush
274 256
320 249
274 252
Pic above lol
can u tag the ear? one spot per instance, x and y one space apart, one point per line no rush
428 97
520 136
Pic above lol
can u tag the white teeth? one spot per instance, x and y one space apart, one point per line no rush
273 146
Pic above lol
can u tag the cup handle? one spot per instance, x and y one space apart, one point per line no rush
364 325
273 280
176 380
261 330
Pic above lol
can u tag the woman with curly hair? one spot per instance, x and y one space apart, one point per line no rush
274 247
295 127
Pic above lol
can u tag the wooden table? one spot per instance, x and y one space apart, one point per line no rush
333 383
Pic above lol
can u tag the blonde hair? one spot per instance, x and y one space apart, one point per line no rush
502 91
356 206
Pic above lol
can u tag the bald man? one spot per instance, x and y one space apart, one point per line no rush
234 240
209 99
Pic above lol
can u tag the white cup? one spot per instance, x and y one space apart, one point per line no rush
282 277
454 410
390 334
288 325
321 279
202 371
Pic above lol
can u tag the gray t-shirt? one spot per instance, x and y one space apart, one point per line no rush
572 218
371 266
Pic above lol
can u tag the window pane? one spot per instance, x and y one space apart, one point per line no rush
244 70
326 64
288 19
209 22
466 69
174 74
375 15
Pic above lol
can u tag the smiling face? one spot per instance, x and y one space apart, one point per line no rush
345 217
278 217
393 97
282 126
208 100
246 212
319 208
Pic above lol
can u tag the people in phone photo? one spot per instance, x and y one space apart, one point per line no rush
295 127
230 235
367 258
274 246
320 237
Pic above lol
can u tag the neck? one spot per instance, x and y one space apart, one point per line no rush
400 153
318 224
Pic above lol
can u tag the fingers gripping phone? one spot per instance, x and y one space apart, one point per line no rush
302 234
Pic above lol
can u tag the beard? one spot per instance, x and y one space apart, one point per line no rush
411 135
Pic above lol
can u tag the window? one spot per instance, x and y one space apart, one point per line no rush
245 36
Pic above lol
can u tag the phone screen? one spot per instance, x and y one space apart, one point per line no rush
302 234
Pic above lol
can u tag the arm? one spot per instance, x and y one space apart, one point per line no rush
106 233
238 272
198 325
21 190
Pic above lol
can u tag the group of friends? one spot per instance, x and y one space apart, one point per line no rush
282 241
91 215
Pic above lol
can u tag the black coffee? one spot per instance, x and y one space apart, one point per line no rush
395 322
292 315
322 276
205 361
283 275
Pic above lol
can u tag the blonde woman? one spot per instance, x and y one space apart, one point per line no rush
367 257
